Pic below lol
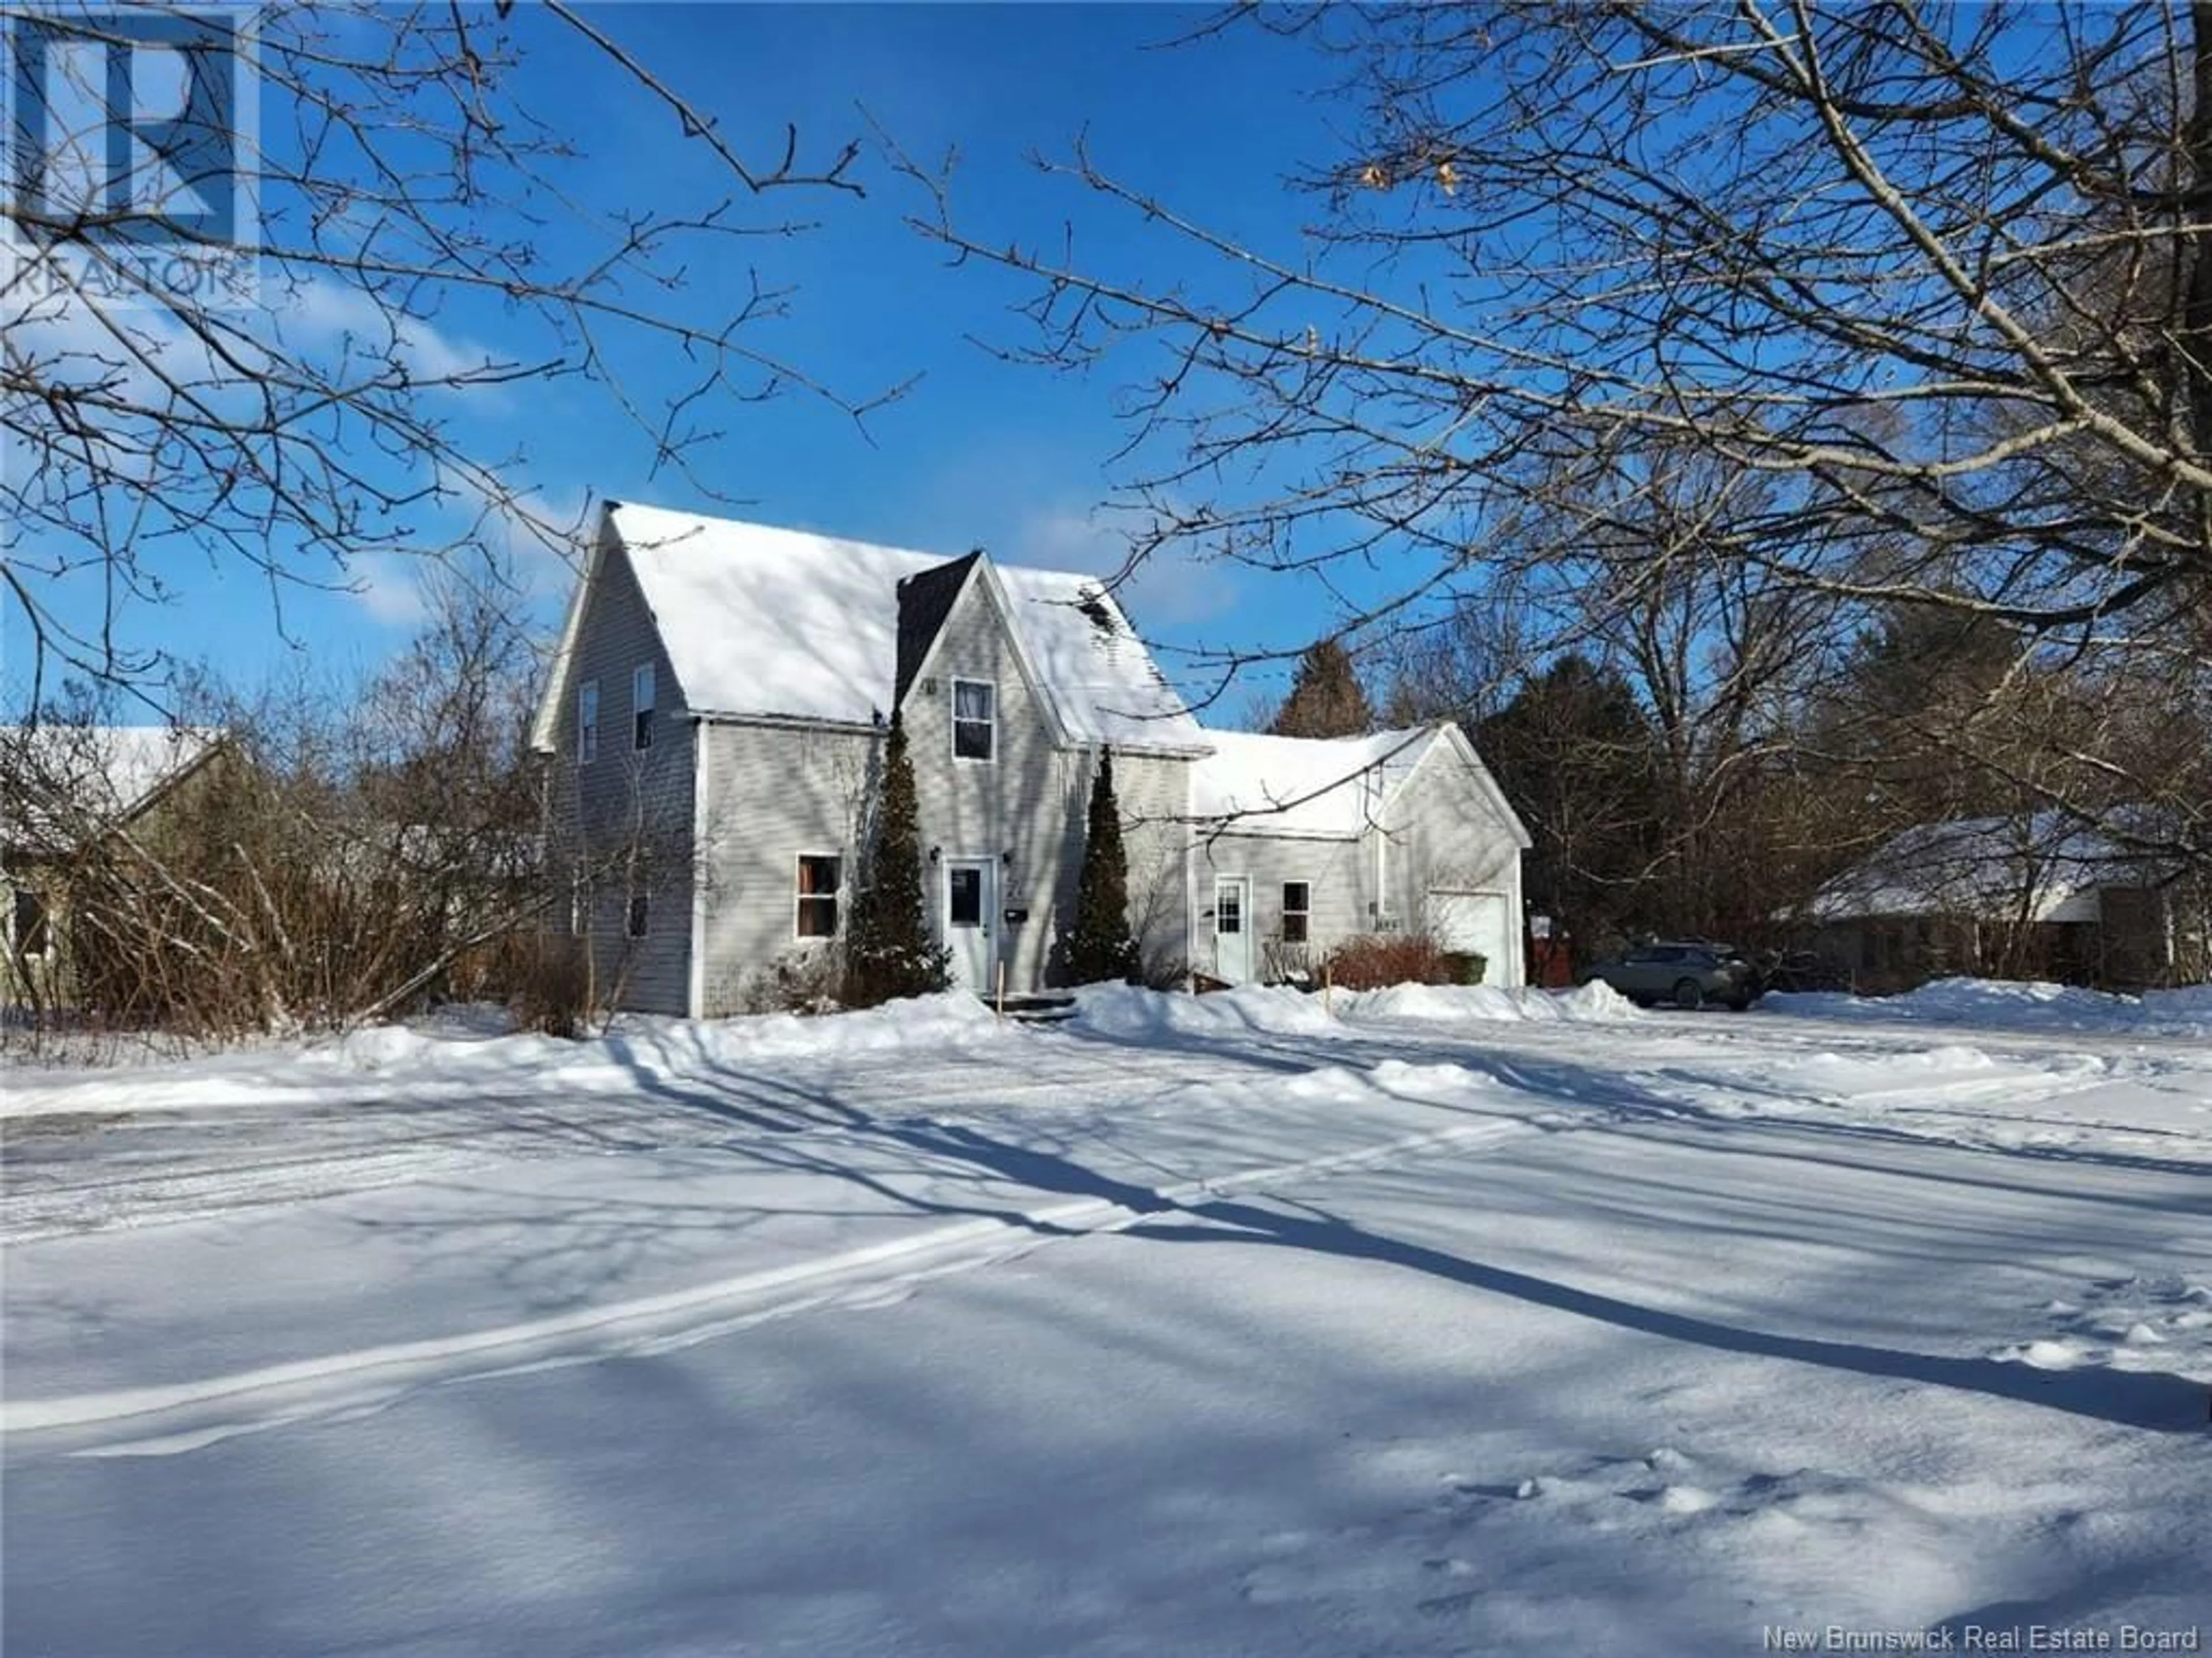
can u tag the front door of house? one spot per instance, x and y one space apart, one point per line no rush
1232 928
971 921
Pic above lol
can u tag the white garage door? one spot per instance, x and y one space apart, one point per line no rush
1475 921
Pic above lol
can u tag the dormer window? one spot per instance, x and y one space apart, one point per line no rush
975 720
640 706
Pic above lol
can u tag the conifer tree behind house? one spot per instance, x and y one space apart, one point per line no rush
1100 947
888 953
1326 699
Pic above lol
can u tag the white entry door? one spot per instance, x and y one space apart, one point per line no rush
971 921
1232 928
1476 921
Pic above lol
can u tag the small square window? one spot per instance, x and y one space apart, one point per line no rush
975 720
640 915
819 877
1298 909
587 722
640 706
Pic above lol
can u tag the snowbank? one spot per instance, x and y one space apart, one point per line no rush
1594 1003
2004 1004
1121 1010
952 1019
443 1053
1127 1012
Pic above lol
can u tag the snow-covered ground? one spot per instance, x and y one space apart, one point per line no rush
1416 1322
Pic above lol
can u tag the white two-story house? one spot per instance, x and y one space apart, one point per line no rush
713 728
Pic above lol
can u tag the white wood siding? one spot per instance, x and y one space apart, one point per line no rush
772 794
1153 794
628 814
1446 835
1339 874
1440 832
768 793
1015 802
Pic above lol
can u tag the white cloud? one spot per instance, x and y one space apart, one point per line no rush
326 314
521 543
1172 587
389 586
535 535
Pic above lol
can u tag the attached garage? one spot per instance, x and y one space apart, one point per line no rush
1304 843
1474 923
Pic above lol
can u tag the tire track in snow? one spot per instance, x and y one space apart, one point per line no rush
170 1419
277 1156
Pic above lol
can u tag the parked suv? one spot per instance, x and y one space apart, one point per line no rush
1688 973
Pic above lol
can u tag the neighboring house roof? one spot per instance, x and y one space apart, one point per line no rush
2041 868
1331 787
106 774
783 623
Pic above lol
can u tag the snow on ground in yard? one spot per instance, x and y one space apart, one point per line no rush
1450 1003
464 1055
1418 1322
1125 1012
1998 1005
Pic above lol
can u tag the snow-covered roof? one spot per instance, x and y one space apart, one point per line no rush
100 772
762 621
1303 785
1983 866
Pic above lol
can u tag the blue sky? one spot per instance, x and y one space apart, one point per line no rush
979 450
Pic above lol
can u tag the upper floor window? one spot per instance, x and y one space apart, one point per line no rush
975 720
638 916
1297 910
640 706
587 722
817 896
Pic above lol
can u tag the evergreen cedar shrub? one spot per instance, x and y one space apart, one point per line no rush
1100 947
1375 961
888 953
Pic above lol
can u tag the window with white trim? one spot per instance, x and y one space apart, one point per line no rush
587 722
639 915
975 720
640 706
579 907
1298 911
820 875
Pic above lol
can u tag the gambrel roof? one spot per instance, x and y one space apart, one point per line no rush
1326 787
786 624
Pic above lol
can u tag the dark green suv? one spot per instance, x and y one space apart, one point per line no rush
1689 975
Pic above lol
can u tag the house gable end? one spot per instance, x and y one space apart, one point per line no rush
1485 784
979 578
611 631
545 723
925 603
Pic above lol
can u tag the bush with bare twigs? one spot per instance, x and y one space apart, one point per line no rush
1375 960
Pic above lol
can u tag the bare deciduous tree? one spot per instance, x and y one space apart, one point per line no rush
1935 282
413 186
